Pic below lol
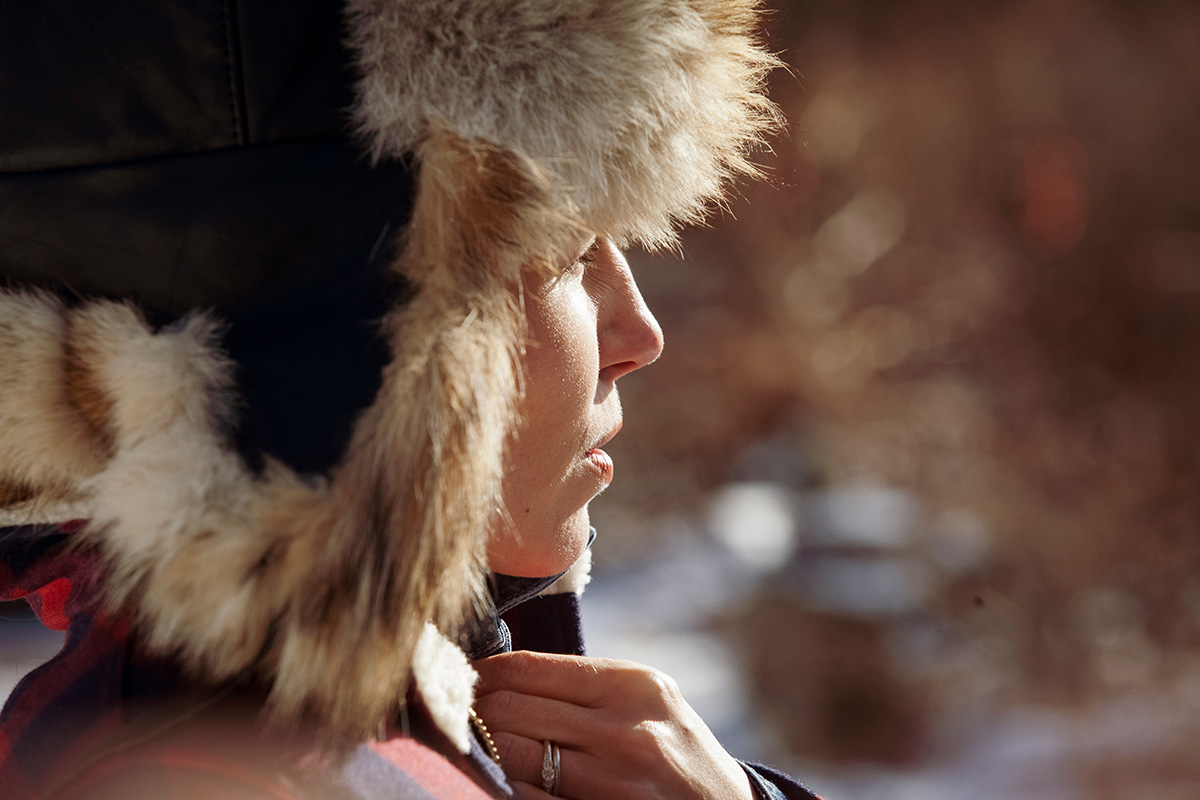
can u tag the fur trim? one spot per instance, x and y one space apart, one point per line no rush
447 685
641 109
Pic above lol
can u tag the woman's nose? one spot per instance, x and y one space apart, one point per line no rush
629 335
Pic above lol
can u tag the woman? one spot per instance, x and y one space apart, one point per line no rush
270 522
588 329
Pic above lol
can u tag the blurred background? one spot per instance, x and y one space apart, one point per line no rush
910 503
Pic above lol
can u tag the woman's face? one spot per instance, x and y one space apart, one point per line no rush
586 329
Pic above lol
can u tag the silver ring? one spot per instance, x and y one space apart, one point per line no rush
551 774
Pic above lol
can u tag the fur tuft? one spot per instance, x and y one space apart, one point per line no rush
641 109
47 444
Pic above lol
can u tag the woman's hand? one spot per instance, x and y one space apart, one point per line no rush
623 730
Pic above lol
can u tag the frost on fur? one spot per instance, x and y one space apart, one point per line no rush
641 108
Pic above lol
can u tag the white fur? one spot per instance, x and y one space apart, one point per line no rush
446 683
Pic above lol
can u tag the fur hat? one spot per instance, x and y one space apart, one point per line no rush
534 125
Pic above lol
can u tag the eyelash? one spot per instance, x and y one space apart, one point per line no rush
588 259
580 266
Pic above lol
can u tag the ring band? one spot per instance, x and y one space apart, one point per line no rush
557 773
551 773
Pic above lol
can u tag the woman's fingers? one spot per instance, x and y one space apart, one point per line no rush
567 678
538 718
581 775
527 791
578 680
624 730
521 757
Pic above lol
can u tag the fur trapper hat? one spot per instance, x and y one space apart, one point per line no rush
534 125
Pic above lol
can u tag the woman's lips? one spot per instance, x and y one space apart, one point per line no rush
601 462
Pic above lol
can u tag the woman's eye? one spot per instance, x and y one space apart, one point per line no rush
584 262
588 259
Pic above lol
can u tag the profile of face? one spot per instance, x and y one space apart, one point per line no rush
587 328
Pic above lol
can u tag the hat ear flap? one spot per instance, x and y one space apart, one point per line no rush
432 445
404 537
324 587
